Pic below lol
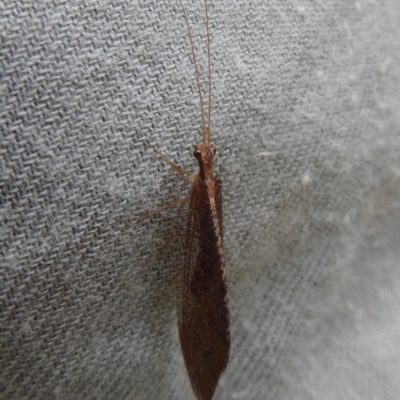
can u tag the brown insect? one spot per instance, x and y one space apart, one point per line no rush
202 299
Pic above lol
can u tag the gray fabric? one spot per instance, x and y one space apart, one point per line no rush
306 121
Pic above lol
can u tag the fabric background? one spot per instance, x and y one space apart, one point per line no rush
306 121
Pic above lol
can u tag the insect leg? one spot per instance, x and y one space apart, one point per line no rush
159 209
174 167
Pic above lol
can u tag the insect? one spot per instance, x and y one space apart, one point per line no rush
202 301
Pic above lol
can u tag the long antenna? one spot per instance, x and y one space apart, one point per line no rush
205 137
209 77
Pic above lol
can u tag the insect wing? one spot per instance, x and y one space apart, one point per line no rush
203 315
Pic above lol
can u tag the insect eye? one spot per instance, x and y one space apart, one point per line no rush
197 153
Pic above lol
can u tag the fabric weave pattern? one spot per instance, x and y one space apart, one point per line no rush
307 130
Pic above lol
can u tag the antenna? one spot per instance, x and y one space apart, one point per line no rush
205 130
209 76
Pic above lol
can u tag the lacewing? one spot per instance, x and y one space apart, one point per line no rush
202 299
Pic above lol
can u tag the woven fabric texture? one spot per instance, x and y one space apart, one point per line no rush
306 123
